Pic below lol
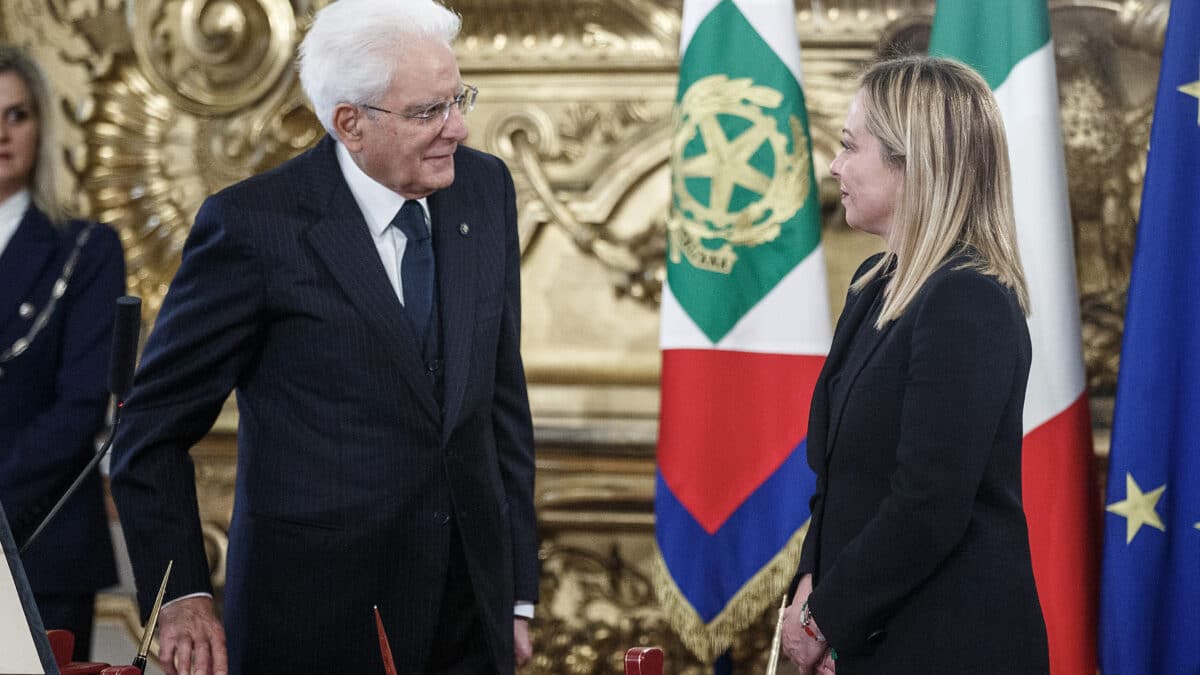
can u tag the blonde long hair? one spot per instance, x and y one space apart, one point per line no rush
938 122
46 165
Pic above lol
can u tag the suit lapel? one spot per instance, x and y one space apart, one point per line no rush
24 261
819 417
455 252
850 362
341 239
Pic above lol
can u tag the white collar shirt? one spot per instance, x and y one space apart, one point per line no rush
379 205
12 211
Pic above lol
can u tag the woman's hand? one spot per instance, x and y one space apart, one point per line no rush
805 651
828 665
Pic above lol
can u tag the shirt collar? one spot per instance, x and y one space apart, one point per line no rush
12 211
378 203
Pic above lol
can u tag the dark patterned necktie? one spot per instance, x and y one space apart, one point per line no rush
416 267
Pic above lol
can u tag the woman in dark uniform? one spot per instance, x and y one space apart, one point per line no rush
917 555
59 279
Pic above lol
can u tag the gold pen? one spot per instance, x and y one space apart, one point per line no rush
139 661
777 641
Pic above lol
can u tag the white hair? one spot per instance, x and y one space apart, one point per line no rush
349 54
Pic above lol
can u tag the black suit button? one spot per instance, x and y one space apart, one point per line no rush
432 367
441 517
876 636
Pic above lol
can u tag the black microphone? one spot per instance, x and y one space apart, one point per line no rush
127 327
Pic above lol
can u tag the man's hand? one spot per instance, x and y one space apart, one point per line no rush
803 650
522 643
191 640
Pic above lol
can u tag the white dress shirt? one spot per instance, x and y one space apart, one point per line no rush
379 205
12 211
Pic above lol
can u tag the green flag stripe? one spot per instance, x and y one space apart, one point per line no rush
991 36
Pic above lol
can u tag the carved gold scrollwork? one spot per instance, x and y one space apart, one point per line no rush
233 148
526 135
1142 24
213 56
1106 114
141 177
637 142
537 33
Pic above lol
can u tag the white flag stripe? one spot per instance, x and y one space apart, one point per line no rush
793 318
1028 102
774 21
694 12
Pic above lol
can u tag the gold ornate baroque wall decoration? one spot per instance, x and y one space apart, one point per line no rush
1108 58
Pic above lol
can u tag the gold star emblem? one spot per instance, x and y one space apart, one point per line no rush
1192 89
727 162
1138 508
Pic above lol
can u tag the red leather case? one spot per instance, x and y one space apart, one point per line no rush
644 661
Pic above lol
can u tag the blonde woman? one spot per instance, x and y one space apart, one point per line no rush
58 282
917 556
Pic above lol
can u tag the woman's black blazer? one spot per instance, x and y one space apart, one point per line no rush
918 544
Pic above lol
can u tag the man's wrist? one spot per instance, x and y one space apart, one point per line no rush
523 610
201 594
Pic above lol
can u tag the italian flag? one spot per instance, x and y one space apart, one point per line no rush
1009 44
745 323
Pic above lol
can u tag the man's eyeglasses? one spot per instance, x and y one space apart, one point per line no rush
438 112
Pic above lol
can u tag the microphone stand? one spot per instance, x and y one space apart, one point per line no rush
127 324
87 470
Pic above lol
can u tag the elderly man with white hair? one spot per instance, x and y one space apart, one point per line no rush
363 300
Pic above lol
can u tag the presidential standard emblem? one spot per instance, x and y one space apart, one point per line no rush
734 181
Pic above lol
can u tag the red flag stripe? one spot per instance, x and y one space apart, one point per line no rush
728 420
1061 504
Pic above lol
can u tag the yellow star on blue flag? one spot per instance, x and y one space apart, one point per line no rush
1193 89
1138 508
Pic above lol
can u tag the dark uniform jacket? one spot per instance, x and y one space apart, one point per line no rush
53 397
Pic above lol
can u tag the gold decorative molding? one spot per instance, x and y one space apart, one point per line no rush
570 35
213 57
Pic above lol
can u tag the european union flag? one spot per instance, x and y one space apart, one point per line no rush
1150 588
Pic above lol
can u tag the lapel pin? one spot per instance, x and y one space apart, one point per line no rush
25 310
464 229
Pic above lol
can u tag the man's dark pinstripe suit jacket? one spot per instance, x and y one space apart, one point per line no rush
348 468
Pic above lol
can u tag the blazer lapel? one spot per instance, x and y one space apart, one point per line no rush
24 261
340 238
852 362
454 249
